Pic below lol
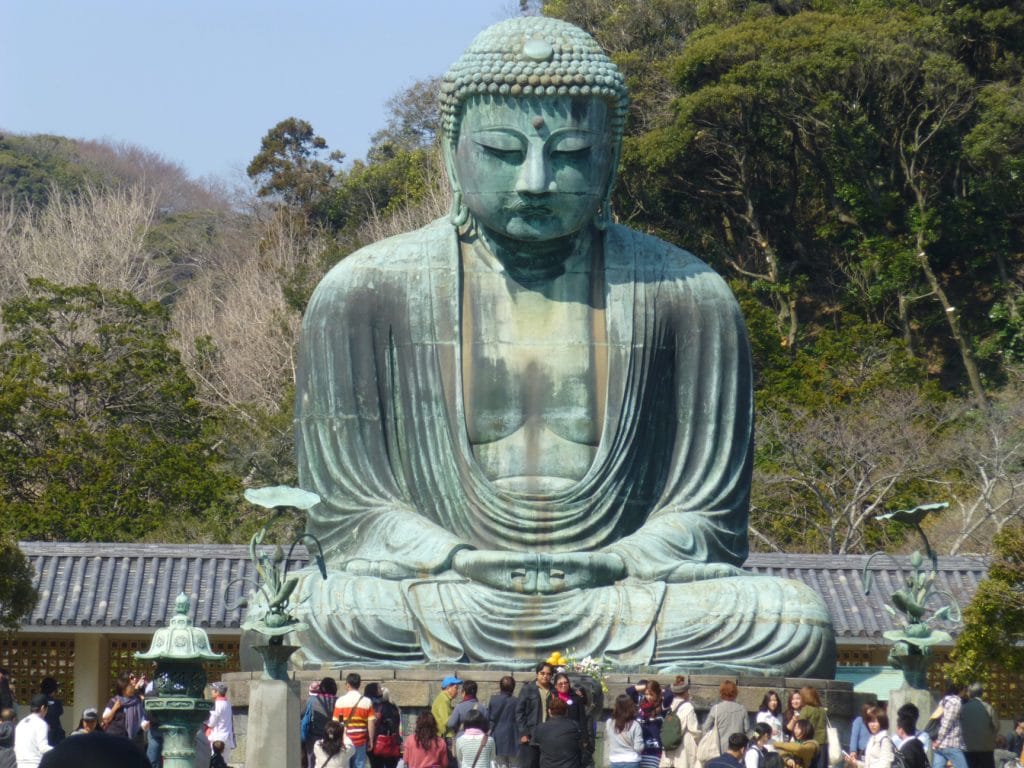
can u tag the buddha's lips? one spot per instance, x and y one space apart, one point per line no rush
530 209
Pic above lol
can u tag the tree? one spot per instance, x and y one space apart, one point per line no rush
993 633
803 140
289 166
95 236
101 437
983 453
17 594
414 120
824 473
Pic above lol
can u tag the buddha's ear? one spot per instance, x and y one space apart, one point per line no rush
603 217
459 213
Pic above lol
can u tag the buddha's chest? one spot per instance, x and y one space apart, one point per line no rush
532 361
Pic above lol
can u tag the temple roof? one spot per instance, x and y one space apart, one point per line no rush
130 588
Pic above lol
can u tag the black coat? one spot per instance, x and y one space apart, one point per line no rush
7 759
913 753
528 709
501 711
558 743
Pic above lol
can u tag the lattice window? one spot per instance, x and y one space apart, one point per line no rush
122 658
849 657
1004 690
28 661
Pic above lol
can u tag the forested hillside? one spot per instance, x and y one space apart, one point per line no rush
854 169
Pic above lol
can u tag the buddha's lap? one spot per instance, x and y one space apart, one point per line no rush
750 622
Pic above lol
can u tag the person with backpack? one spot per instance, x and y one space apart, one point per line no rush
910 752
319 711
679 729
757 752
387 744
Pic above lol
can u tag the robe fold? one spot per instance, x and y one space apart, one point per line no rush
381 436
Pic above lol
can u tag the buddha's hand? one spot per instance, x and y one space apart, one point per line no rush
541 574
385 569
688 572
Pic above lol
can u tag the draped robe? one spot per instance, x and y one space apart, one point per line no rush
381 436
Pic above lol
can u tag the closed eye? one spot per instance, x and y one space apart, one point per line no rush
571 154
508 155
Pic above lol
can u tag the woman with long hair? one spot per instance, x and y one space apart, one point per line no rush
812 711
624 741
125 711
651 716
791 715
770 713
331 751
425 748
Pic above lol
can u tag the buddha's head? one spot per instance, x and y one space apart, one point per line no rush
533 114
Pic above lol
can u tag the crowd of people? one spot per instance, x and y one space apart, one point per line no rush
122 733
550 723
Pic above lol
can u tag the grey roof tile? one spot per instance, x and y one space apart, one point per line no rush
130 588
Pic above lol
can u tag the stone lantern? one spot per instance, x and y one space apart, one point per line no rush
179 706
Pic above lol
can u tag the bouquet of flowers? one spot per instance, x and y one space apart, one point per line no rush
592 666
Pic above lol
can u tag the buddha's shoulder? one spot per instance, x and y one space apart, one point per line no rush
656 258
394 257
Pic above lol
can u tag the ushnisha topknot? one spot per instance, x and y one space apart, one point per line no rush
533 56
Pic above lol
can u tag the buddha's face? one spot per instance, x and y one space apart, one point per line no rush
534 169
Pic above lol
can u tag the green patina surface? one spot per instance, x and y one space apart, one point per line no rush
531 429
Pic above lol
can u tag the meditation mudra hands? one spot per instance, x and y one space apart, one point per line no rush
542 573
539 573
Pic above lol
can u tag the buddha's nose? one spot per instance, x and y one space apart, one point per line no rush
535 174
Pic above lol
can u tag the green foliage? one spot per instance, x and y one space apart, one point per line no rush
31 165
414 121
289 167
17 595
395 179
993 633
101 437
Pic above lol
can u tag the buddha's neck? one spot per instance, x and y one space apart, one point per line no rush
532 261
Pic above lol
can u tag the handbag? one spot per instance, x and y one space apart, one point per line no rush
934 723
708 748
387 745
835 748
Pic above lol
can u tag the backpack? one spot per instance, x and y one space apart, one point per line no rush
772 760
318 718
671 731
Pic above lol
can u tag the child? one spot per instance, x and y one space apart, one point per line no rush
217 758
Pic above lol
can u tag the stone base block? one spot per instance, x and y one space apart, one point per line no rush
271 738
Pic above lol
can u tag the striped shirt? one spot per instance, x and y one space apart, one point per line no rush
355 711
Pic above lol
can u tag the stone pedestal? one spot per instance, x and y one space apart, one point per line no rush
272 733
906 694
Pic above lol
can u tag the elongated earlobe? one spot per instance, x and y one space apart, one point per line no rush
460 213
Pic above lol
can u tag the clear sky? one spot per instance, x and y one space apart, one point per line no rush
201 81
